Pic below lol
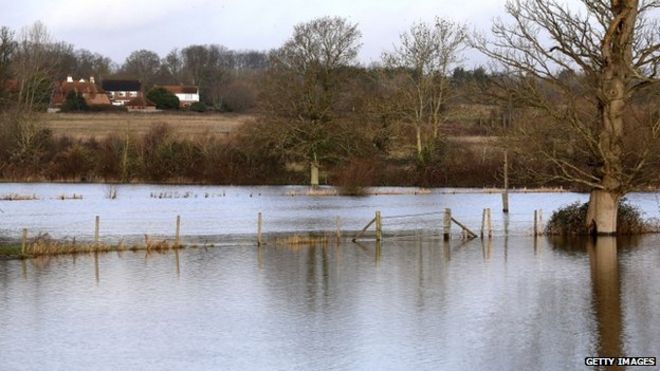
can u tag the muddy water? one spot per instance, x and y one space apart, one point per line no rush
420 304
212 213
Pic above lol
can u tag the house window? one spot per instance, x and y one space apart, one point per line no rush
133 94
122 94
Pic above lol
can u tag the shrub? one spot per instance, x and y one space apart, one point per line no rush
198 107
74 102
572 220
163 98
354 177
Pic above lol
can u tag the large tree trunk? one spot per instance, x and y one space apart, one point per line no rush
419 141
616 50
314 175
602 212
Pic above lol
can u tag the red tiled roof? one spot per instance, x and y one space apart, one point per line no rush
92 94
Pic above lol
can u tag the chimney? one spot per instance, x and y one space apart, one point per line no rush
69 79
91 79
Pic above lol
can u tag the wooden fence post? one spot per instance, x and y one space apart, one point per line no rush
338 225
24 241
379 227
177 240
505 194
96 230
483 223
536 221
259 241
489 221
446 232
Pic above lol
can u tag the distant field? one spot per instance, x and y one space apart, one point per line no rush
100 125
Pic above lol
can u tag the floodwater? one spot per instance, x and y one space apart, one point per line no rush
210 214
413 302
417 304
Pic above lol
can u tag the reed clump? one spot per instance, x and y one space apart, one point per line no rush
297 241
45 245
111 193
74 196
18 197
158 246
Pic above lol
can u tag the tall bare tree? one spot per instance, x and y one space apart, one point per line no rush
580 70
306 79
7 49
32 67
143 65
426 55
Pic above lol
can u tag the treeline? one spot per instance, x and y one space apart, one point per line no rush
398 122
246 157
227 78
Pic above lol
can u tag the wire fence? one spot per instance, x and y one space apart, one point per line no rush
429 225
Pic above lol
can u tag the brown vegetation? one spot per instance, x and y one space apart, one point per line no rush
102 125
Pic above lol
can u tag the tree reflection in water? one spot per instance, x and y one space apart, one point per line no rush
606 287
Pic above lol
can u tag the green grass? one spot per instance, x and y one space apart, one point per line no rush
10 251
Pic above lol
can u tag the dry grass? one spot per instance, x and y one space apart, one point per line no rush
44 245
99 125
298 241
65 196
17 197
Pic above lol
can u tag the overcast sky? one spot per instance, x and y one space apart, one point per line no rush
115 28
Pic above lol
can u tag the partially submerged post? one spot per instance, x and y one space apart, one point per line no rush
536 223
357 236
379 227
96 230
338 225
177 240
24 241
489 223
505 194
446 228
483 223
259 240
466 232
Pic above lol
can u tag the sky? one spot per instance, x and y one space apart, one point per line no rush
115 28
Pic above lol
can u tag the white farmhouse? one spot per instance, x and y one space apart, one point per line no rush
187 94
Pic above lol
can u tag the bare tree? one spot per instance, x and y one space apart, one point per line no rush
32 67
305 81
611 52
426 56
7 50
143 65
173 66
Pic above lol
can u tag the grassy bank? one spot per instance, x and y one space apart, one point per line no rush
45 246
10 251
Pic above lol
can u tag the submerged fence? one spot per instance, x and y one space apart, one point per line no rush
440 224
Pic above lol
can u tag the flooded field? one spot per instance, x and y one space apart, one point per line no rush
211 214
423 304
